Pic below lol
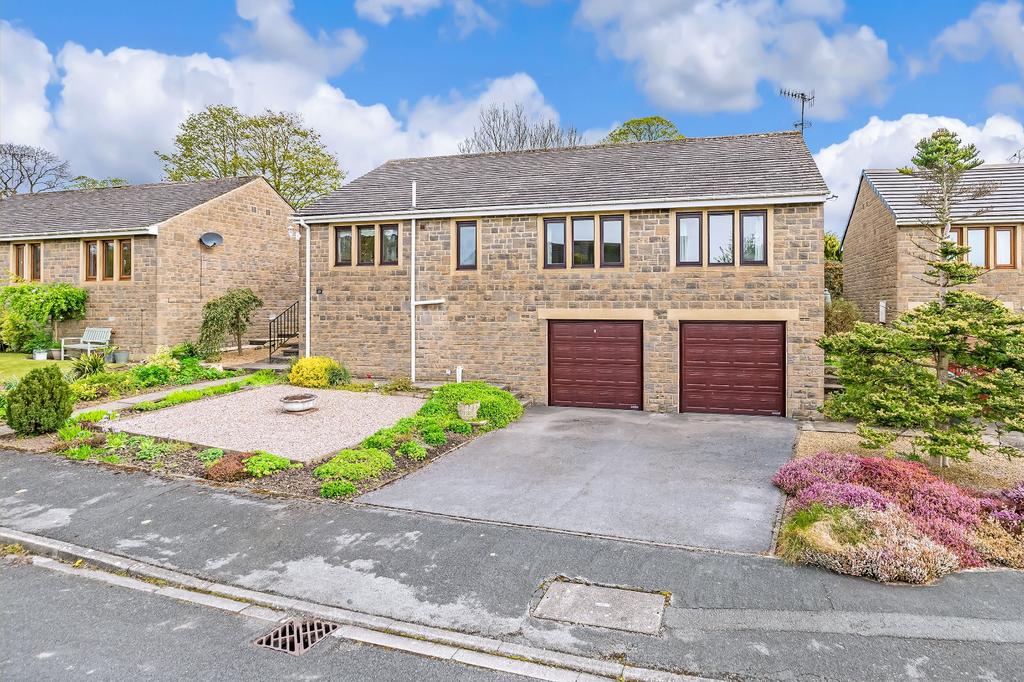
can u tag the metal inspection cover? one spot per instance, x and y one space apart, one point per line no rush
296 637
605 607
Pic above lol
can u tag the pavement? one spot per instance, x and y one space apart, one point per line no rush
728 615
114 633
689 480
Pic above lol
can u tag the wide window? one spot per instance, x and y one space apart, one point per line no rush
124 247
1006 247
554 243
720 239
92 251
582 242
977 239
754 237
367 244
109 262
343 246
688 238
465 245
612 251
389 244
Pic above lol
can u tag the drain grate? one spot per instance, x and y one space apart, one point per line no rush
296 637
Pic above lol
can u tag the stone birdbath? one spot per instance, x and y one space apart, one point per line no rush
298 402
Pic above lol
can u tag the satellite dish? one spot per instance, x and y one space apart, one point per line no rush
211 239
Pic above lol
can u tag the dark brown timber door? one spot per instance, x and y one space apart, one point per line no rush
733 367
596 364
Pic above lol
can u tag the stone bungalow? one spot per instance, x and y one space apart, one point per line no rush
881 265
664 276
137 251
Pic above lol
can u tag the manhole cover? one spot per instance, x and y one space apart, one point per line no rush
296 636
606 607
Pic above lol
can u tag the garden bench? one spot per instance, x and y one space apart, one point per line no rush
92 339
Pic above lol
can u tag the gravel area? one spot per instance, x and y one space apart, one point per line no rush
252 420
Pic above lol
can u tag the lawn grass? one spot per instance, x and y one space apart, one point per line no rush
17 365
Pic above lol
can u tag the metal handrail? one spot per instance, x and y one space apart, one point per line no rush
282 328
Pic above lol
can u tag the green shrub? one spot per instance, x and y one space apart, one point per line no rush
336 376
840 316
117 440
103 385
398 385
41 402
210 455
263 463
92 416
412 450
355 465
382 440
357 387
498 407
333 489
459 426
148 376
80 452
87 364
190 371
186 350
229 314
71 431
313 372
16 331
834 278
433 436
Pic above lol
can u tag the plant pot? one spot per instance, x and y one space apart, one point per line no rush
300 402
109 357
40 354
54 354
467 411
121 356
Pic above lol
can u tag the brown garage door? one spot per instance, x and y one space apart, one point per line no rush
733 367
596 364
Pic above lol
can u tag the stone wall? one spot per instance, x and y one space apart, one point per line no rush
870 255
493 319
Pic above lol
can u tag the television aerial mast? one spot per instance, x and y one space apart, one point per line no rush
806 100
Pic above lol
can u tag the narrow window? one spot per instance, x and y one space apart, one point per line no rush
554 243
343 246
720 239
465 248
389 244
611 241
583 242
955 236
977 239
754 236
688 239
108 259
124 247
367 246
19 261
1006 247
35 262
91 257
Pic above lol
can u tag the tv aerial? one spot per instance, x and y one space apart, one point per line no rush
806 100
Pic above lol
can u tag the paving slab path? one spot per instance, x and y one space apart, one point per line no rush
729 614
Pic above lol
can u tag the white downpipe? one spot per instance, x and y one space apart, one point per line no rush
412 294
308 277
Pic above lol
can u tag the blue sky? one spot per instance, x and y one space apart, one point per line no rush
384 78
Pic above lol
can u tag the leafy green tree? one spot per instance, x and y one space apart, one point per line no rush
85 182
646 129
222 142
899 376
230 314
833 248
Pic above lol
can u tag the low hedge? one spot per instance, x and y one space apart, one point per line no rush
500 408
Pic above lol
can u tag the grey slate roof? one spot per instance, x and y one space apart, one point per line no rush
900 193
761 165
107 209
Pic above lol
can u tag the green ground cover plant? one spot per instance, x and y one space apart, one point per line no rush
187 395
262 463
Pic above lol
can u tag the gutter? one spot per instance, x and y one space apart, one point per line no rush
96 234
308 269
413 303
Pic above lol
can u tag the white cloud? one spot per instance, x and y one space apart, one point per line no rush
115 108
469 15
890 144
711 55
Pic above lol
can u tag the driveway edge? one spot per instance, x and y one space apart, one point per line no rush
473 645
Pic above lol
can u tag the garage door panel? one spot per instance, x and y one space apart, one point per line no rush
595 364
735 368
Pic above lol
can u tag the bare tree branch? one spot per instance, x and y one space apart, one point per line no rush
508 129
28 169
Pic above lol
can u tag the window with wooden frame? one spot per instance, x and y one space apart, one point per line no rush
465 245
754 237
612 241
977 240
124 262
35 262
19 261
554 243
721 238
92 254
956 236
109 253
689 240
343 246
1005 247
583 242
367 246
388 245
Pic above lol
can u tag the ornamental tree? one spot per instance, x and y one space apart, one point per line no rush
230 314
900 376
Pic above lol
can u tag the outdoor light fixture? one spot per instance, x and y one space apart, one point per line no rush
211 239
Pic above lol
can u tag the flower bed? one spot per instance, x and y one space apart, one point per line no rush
894 520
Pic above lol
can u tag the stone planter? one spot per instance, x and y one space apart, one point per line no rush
121 356
467 411
299 402
40 354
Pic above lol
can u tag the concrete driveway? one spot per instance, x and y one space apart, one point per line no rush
697 481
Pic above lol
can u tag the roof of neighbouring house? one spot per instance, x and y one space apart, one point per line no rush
699 168
901 193
105 209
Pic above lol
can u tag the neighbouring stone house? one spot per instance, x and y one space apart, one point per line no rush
137 251
882 264
601 276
